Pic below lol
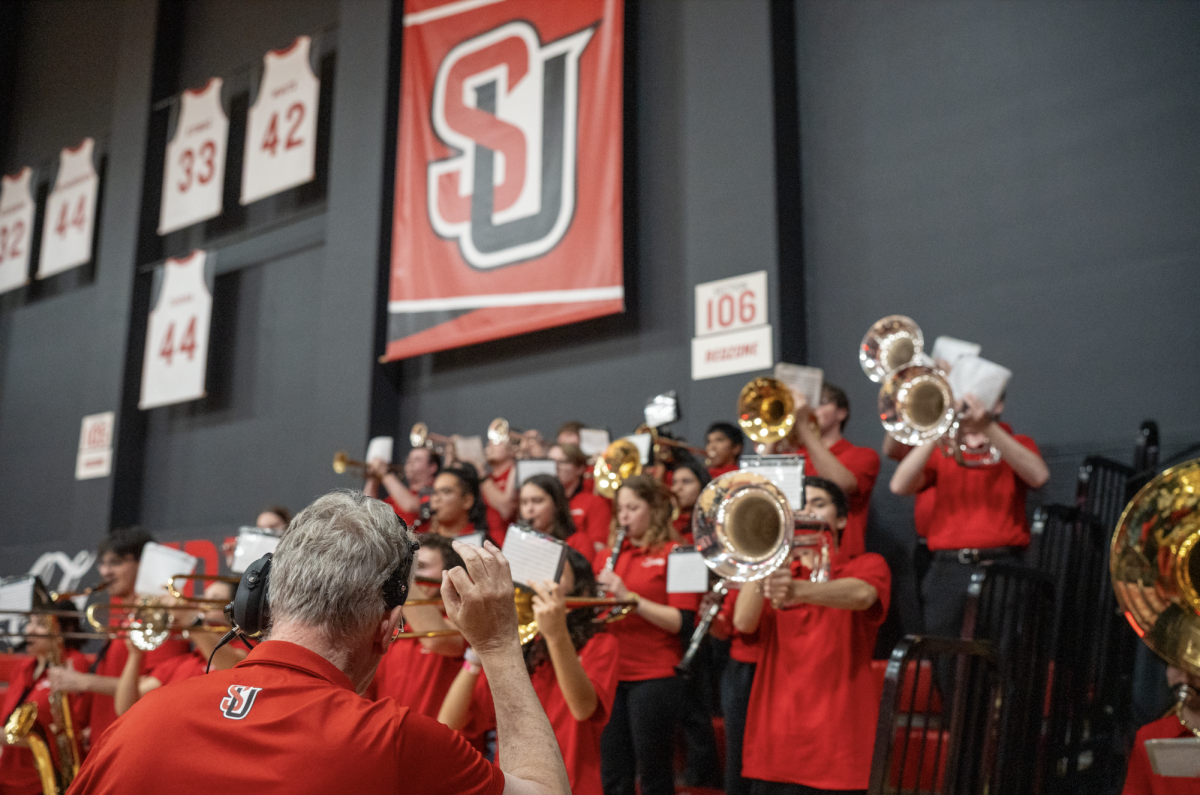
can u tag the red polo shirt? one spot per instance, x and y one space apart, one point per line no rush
415 677
683 526
647 651
103 710
579 741
716 472
815 703
498 526
863 463
409 518
180 668
1140 778
18 776
592 515
282 719
722 627
977 507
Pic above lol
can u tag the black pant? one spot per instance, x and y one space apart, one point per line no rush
783 788
735 700
640 738
703 760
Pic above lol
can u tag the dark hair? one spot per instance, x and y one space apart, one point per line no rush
563 526
573 454
280 511
651 491
574 426
730 431
450 558
468 482
685 460
833 490
435 458
125 542
837 396
65 623
581 624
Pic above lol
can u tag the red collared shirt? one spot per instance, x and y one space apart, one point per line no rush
283 719
815 703
497 525
409 518
18 776
1140 778
716 472
863 463
723 627
647 651
579 741
180 668
415 677
977 507
592 515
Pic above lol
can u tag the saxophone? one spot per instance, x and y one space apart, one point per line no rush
63 724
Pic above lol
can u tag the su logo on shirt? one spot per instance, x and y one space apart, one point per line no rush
238 703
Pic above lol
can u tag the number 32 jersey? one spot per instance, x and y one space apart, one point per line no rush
177 336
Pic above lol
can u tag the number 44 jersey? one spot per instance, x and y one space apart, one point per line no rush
281 128
177 336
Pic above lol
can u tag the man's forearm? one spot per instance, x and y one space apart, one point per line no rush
573 681
401 495
827 464
1028 465
747 609
910 473
846 593
528 749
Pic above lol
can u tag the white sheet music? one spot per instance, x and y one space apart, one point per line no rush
252 544
785 471
469 448
380 447
805 380
533 557
593 441
642 442
472 539
977 376
1176 757
686 572
528 467
16 594
158 564
951 350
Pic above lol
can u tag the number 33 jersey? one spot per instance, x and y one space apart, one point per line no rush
177 336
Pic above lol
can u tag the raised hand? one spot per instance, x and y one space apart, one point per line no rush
550 609
479 600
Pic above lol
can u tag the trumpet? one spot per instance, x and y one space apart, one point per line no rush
890 343
342 463
916 406
621 460
658 442
527 627
151 623
766 410
500 432
421 436
100 586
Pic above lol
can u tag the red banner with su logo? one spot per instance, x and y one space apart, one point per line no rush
508 171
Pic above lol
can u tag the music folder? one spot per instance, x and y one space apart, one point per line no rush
533 556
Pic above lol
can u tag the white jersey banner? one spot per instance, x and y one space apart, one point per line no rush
281 130
177 336
70 212
194 174
16 228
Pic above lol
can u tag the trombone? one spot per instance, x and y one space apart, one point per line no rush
342 463
200 602
621 460
657 442
421 436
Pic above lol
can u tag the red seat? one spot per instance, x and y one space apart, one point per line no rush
924 747
926 695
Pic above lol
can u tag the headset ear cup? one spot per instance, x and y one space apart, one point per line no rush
250 611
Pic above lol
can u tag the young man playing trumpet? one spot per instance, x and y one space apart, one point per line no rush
421 466
813 708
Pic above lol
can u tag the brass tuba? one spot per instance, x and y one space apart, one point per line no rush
766 409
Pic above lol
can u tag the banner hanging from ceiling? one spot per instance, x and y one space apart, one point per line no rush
508 171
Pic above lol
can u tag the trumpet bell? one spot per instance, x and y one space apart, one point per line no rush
888 345
341 462
742 526
621 461
916 405
499 431
1155 565
419 435
765 410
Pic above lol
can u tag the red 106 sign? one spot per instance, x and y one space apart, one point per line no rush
731 304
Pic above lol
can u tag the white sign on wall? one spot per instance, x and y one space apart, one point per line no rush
176 357
16 229
70 212
281 129
194 172
94 459
732 332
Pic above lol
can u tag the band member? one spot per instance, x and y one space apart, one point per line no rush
274 518
30 684
978 512
829 454
736 682
569 433
723 445
591 512
456 505
638 738
418 673
1140 778
421 466
290 715
531 445
814 703
688 479
119 556
499 489
131 686
574 672
544 505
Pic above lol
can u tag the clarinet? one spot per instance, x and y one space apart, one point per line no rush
611 564
685 665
